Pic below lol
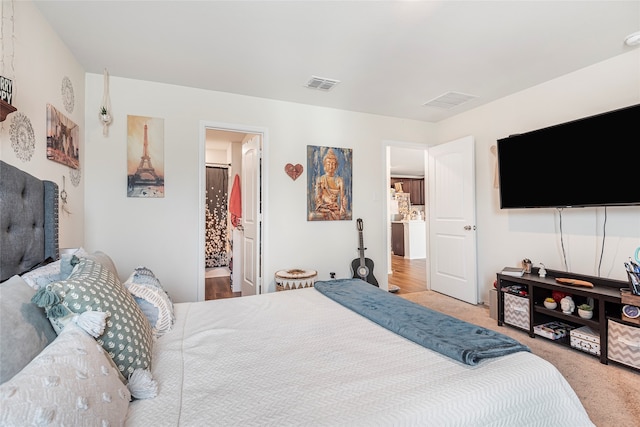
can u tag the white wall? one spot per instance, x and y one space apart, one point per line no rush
37 62
505 237
163 233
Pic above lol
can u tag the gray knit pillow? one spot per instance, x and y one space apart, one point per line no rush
24 329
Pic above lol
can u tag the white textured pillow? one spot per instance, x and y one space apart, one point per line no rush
154 302
57 270
72 382
42 276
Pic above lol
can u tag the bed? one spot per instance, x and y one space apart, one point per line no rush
339 353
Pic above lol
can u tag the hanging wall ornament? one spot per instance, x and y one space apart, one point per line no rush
105 108
294 171
23 140
63 198
67 95
74 175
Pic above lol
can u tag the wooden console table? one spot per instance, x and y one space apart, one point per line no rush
607 305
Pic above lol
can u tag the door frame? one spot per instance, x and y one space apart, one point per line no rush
240 128
387 145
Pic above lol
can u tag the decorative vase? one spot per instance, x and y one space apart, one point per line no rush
585 314
105 118
567 305
550 305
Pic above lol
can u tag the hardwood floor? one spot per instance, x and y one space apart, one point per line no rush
410 275
218 288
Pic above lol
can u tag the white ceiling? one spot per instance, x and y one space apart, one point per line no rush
390 56
406 162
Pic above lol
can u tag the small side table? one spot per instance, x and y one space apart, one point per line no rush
295 279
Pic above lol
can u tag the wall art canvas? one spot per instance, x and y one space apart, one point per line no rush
63 139
329 175
145 157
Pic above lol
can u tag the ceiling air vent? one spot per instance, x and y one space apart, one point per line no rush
449 100
321 83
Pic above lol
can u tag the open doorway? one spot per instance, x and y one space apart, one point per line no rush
407 231
227 262
221 168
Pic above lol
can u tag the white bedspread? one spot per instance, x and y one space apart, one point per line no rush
298 358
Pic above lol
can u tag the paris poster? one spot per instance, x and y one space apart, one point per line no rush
145 157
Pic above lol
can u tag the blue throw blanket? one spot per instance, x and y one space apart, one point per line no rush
457 339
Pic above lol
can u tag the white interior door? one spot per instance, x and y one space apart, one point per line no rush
452 220
251 216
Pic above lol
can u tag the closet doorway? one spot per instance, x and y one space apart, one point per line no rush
218 229
226 263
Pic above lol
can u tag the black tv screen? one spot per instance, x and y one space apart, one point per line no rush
594 161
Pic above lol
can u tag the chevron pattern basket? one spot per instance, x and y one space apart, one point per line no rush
623 344
516 311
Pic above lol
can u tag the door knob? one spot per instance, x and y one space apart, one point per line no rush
468 227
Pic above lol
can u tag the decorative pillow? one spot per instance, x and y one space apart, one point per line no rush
72 382
103 259
42 276
24 328
152 299
54 271
127 337
97 256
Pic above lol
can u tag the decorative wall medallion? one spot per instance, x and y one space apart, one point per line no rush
294 171
74 176
23 140
67 95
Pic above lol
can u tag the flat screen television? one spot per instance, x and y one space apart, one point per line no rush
594 161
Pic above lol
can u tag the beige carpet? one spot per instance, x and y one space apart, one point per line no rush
609 393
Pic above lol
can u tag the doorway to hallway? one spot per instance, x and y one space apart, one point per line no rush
406 161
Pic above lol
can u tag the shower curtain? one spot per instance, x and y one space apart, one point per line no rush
217 248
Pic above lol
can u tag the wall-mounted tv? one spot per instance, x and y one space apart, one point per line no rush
594 161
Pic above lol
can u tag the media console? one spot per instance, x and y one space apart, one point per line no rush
525 310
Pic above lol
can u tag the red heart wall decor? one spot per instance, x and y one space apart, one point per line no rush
293 171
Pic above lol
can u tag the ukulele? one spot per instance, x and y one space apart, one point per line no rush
363 267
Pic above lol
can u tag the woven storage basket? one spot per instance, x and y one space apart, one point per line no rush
295 279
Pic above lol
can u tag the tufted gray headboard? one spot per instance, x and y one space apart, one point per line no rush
28 221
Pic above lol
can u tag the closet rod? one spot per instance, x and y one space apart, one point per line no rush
219 165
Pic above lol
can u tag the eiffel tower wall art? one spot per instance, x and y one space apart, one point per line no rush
145 157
